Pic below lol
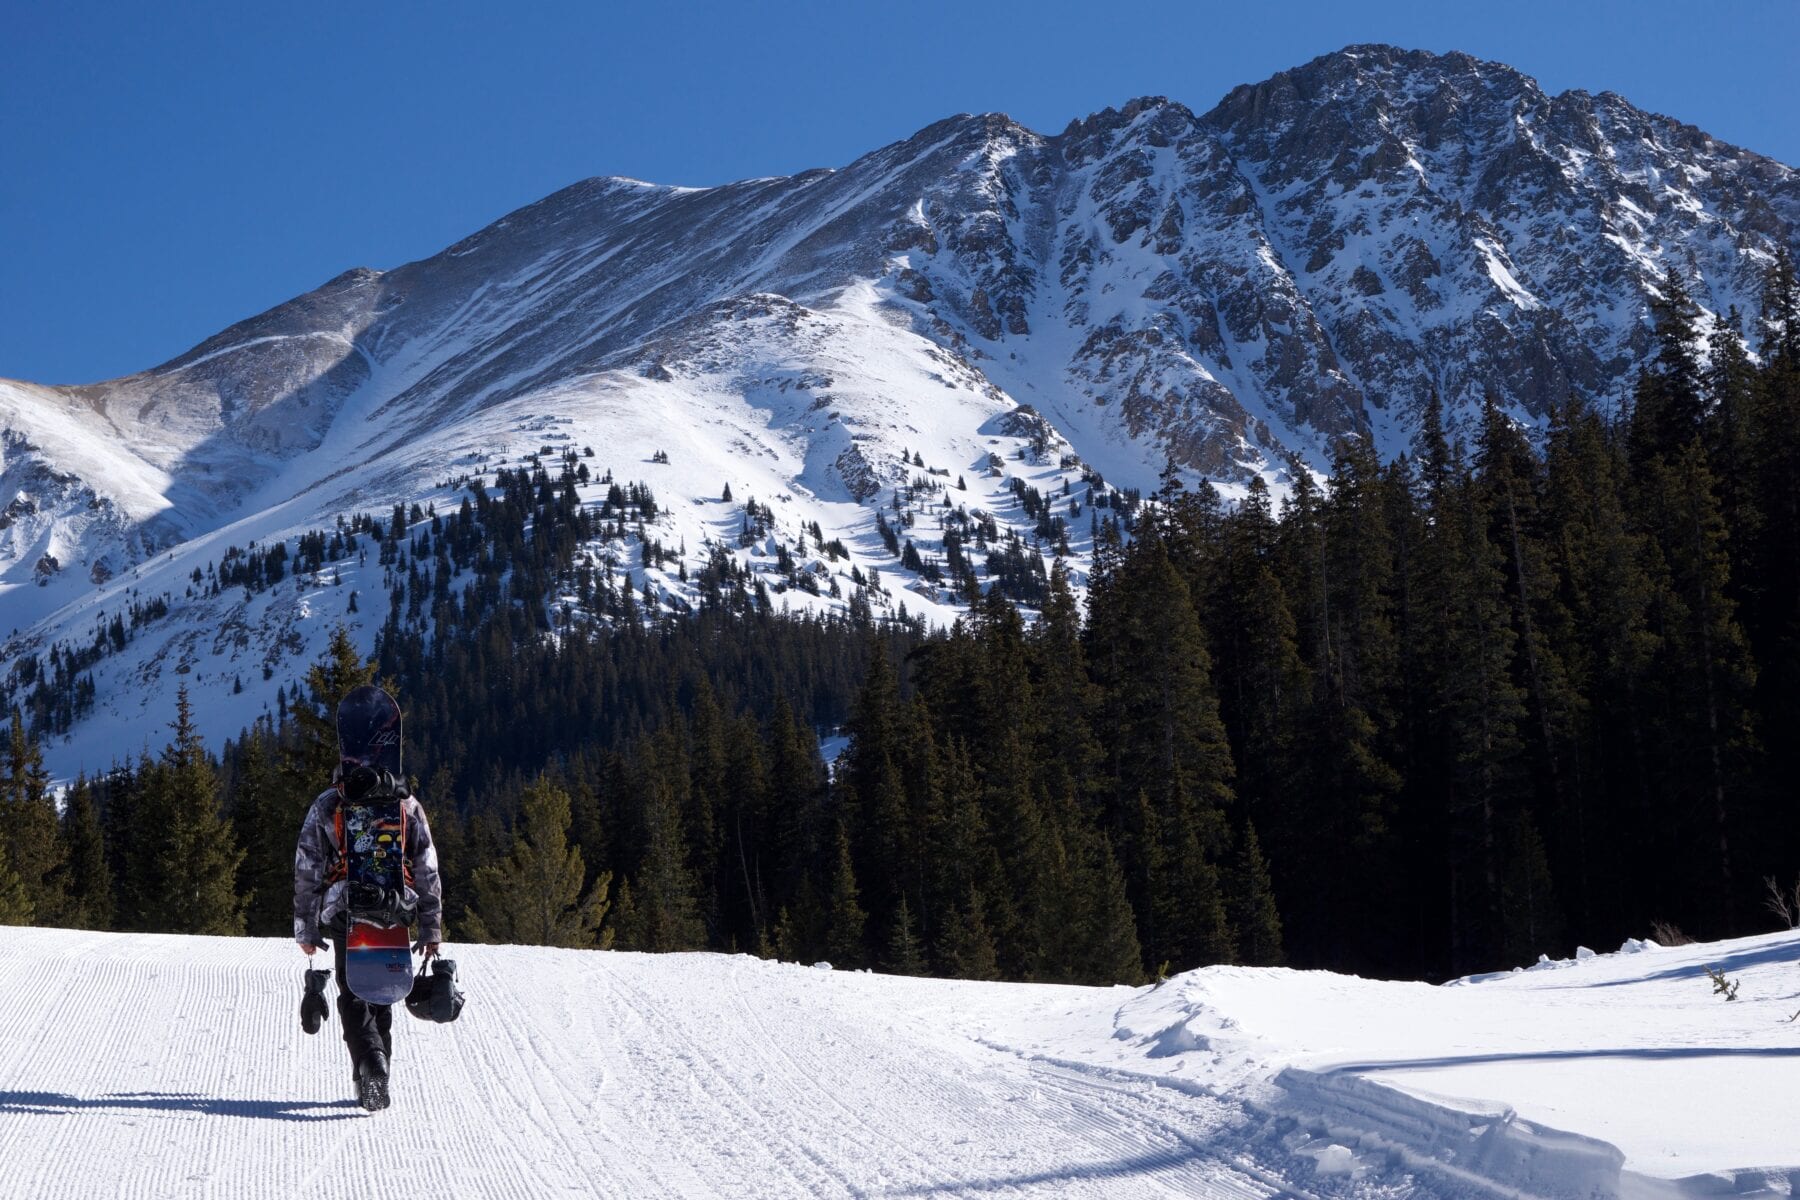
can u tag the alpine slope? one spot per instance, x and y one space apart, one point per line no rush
155 1066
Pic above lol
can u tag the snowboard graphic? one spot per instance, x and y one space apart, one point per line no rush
377 957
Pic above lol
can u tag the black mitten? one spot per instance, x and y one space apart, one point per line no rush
313 1009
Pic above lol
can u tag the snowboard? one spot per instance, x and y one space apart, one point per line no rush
377 952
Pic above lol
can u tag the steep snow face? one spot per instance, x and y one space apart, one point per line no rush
1230 291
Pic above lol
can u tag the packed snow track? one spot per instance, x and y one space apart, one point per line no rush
156 1066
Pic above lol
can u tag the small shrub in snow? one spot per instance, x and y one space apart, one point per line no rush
1665 934
1722 986
1784 903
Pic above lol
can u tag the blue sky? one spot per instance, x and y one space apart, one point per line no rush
166 170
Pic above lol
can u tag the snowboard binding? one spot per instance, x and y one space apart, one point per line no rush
362 782
313 1010
375 905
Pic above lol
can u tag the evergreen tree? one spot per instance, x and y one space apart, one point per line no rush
746 830
1469 708
1106 942
845 917
1253 912
29 828
905 954
1508 488
535 897
1166 747
89 878
1085 929
267 813
1268 685
967 949
15 901
311 755
665 911
1533 916
626 925
185 858
1334 874
1669 402
1708 743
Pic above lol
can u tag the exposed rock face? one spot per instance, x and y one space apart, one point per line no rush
1450 223
1305 261
1319 251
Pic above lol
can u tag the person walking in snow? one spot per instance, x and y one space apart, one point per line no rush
321 906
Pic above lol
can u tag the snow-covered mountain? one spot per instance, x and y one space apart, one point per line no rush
1228 291
153 1065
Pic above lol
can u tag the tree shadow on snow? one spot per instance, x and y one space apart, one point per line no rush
1138 1164
57 1104
1642 1052
1761 956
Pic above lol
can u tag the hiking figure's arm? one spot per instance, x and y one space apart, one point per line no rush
313 857
421 858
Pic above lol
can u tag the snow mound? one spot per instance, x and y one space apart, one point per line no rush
1660 1083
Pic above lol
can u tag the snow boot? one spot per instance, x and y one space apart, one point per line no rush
372 1081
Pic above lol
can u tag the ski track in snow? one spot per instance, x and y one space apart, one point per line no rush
152 1066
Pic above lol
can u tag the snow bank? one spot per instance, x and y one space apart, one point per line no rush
1663 1086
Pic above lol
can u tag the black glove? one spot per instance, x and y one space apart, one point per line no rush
436 997
313 1009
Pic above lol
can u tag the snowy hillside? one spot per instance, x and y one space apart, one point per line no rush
1226 291
158 1066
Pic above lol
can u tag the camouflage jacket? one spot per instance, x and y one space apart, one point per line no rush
319 900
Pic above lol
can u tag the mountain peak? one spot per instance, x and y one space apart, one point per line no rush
1374 77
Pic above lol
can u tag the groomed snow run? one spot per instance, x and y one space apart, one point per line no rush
159 1066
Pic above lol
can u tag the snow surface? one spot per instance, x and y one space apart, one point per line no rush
158 1066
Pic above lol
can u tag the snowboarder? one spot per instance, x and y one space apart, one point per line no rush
321 905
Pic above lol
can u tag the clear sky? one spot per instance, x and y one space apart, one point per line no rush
168 169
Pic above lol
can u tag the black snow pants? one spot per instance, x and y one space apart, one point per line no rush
366 1026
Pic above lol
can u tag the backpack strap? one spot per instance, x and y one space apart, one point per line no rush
340 866
406 874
